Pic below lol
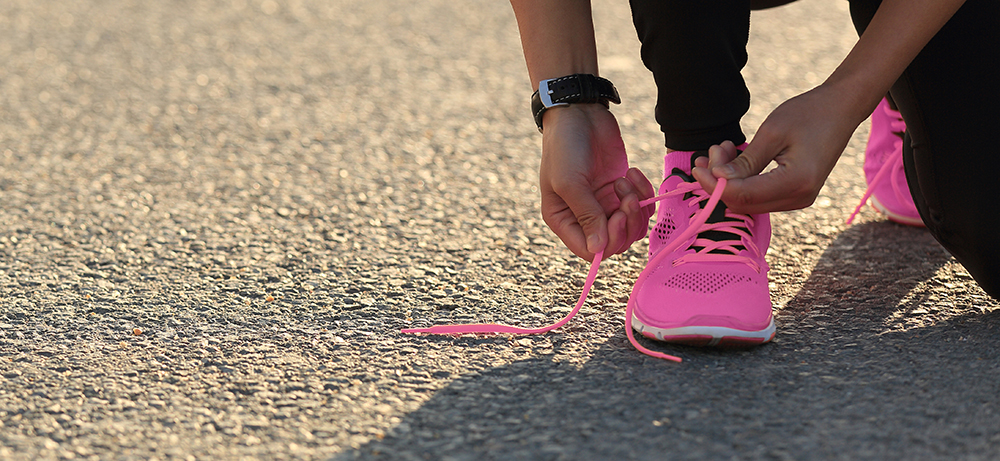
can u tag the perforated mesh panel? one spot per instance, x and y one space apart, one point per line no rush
704 282
664 229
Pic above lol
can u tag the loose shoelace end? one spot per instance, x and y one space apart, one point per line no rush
493 328
482 329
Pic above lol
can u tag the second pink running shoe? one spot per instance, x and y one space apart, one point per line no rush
710 290
887 186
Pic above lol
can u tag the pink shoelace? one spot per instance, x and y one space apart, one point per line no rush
896 175
711 250
697 225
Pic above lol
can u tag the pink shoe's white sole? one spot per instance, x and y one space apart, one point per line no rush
706 336
896 218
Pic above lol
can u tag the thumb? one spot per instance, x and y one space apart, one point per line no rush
751 162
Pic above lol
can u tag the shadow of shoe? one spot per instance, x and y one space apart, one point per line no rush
849 375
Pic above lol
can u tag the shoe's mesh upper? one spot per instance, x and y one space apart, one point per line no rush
664 229
704 282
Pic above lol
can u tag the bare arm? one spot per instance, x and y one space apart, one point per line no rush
557 37
897 33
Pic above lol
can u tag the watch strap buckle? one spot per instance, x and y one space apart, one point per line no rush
572 89
546 91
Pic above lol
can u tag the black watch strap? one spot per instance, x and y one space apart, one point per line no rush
572 89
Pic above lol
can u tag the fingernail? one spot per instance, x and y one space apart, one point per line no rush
634 175
593 240
727 171
630 206
623 186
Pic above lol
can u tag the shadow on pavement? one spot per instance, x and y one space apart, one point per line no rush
887 351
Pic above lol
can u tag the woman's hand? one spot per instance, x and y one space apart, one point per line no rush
590 197
805 136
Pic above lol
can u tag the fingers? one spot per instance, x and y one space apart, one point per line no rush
579 217
775 190
563 223
618 240
591 224
622 222
789 186
635 219
727 163
645 190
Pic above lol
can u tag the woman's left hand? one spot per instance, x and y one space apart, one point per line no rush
805 136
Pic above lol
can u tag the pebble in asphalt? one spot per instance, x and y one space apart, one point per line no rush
216 215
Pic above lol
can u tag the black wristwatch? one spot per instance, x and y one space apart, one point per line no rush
572 89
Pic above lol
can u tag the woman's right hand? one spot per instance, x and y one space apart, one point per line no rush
590 196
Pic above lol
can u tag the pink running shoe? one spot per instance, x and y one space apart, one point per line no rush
887 187
705 286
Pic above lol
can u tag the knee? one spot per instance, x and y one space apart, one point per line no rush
977 250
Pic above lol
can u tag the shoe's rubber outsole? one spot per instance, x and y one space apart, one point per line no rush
707 336
900 219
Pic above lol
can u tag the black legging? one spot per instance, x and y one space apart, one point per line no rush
948 96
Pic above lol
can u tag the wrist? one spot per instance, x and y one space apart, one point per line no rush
851 96
554 116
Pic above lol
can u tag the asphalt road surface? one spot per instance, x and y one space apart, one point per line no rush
215 216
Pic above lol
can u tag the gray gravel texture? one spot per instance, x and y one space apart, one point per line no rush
216 215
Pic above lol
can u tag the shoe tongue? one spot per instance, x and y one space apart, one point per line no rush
680 164
680 160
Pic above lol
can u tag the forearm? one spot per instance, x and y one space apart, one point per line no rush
557 37
896 34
